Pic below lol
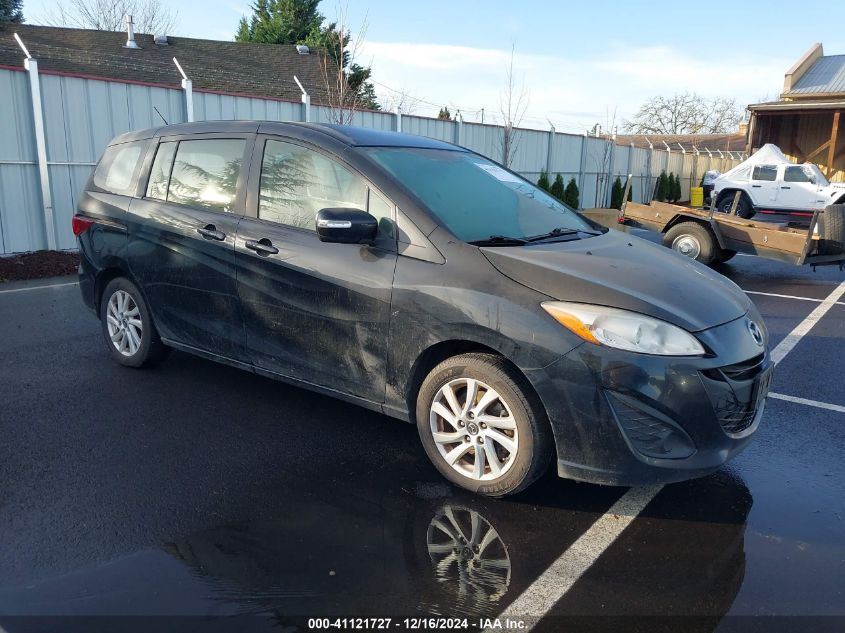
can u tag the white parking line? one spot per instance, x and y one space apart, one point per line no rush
787 344
27 289
810 403
563 573
553 584
774 294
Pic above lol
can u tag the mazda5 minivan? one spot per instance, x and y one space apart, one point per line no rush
424 281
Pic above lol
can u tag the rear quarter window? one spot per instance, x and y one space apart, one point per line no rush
118 168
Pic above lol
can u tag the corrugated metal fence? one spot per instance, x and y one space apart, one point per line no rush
82 115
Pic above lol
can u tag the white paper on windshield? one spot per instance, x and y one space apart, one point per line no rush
498 173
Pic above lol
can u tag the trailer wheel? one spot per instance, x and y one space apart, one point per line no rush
833 238
693 240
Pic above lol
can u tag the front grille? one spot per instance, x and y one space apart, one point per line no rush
745 370
734 416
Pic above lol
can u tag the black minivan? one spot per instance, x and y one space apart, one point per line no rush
424 281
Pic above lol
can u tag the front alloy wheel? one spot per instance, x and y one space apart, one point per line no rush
482 425
474 429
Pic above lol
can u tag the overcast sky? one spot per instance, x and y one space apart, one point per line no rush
580 62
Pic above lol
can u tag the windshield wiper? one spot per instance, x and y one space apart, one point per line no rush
559 232
500 240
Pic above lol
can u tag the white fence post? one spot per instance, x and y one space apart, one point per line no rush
459 129
306 101
31 66
550 150
188 87
581 175
398 114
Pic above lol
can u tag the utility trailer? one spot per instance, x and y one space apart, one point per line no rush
713 237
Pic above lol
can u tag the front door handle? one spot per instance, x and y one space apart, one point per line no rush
786 187
756 186
262 246
210 232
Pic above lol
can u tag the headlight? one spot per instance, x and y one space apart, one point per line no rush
623 330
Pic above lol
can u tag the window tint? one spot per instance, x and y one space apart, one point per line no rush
116 168
382 210
297 182
796 173
764 172
205 173
160 172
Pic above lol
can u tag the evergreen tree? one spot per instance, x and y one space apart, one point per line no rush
571 196
357 78
543 180
670 187
660 192
631 193
280 22
678 192
557 189
616 194
444 114
11 11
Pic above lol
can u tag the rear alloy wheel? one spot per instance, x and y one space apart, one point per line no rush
482 426
127 327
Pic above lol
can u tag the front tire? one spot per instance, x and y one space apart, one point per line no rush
482 426
128 329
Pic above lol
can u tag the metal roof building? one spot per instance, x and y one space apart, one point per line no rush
804 122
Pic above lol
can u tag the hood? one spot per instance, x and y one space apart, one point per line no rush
622 271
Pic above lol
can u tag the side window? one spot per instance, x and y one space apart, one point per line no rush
764 172
160 172
116 170
205 173
795 173
297 182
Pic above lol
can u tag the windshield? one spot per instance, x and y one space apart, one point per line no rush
474 197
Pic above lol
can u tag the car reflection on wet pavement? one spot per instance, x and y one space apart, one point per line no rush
370 547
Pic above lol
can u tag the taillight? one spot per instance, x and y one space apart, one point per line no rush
80 224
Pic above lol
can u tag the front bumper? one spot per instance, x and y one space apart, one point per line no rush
630 419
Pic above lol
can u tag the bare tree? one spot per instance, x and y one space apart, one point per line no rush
341 52
513 103
109 15
686 113
402 101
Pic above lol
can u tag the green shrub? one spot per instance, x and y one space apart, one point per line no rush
543 180
616 194
557 189
571 196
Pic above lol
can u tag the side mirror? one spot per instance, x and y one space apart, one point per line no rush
346 226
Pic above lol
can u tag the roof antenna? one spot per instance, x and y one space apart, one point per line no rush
161 115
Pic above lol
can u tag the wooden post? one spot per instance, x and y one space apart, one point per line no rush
834 132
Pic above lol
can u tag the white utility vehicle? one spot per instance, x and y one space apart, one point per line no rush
776 188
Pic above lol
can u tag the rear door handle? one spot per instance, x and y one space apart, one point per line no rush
786 187
262 246
210 232
756 186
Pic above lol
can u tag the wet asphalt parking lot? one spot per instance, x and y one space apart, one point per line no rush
195 489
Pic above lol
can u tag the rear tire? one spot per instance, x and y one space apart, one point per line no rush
692 240
744 209
833 240
723 255
477 408
128 329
